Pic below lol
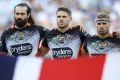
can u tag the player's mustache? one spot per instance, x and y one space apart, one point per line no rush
19 19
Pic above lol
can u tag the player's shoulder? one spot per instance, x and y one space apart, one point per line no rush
40 28
37 26
8 31
116 38
94 37
52 31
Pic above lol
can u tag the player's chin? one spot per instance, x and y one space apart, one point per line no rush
61 26
102 33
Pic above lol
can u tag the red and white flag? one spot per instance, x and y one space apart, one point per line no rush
86 68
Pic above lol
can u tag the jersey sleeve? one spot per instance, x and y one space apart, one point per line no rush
85 46
3 43
43 31
83 33
44 41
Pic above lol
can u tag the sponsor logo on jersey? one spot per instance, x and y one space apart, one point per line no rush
98 47
62 52
101 46
21 49
62 40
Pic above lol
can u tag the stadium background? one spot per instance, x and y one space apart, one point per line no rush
44 12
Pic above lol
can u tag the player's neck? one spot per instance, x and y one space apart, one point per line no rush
63 29
21 27
104 36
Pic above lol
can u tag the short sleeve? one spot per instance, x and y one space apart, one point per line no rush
3 44
85 46
45 42
43 31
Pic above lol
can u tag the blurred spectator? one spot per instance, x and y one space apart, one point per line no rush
6 11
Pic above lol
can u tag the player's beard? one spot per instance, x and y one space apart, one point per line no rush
20 23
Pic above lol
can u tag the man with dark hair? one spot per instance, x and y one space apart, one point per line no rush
24 38
63 42
30 19
64 9
103 42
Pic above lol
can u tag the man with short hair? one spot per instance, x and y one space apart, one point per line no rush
63 42
24 38
103 42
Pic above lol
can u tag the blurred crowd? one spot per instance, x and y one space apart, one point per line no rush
44 11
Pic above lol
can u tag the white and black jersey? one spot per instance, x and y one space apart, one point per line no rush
96 45
23 41
64 45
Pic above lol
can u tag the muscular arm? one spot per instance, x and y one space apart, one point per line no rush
43 48
83 52
42 51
